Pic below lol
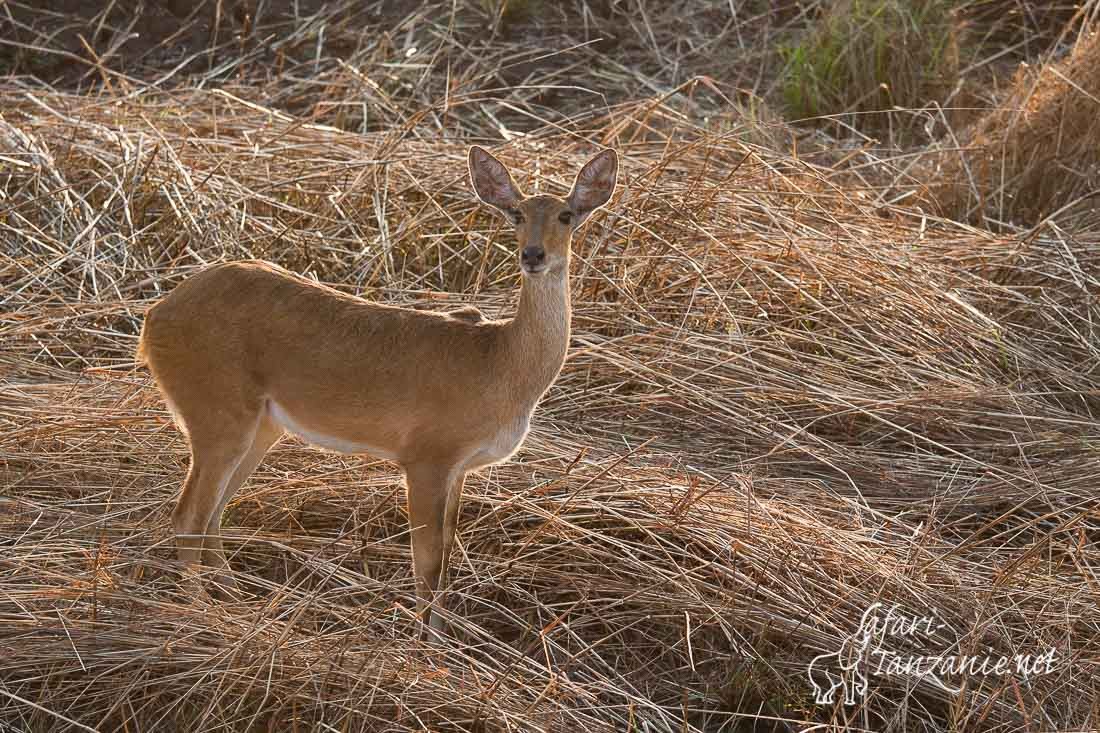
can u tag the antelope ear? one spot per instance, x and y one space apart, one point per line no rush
492 182
594 185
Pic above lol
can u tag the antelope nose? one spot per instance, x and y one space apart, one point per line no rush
533 255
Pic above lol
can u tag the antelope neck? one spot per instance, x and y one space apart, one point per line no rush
538 336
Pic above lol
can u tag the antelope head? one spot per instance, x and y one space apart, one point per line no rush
544 224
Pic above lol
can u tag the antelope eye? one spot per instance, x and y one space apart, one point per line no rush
565 217
516 215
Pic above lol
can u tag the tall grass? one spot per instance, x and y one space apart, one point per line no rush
866 57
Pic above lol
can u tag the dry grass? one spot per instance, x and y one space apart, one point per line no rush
1032 157
782 404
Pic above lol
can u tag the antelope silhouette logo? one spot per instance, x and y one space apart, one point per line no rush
843 668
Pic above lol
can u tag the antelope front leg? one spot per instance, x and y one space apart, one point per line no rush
450 524
429 486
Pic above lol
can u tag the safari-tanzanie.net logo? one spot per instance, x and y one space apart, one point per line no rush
876 650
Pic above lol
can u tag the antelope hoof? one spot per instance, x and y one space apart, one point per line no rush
227 587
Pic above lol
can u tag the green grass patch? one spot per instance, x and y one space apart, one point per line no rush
870 56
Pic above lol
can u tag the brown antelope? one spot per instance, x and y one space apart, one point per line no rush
246 351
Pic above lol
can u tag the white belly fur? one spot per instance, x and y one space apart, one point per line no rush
502 445
283 418
495 450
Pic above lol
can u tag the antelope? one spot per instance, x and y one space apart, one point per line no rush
244 352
